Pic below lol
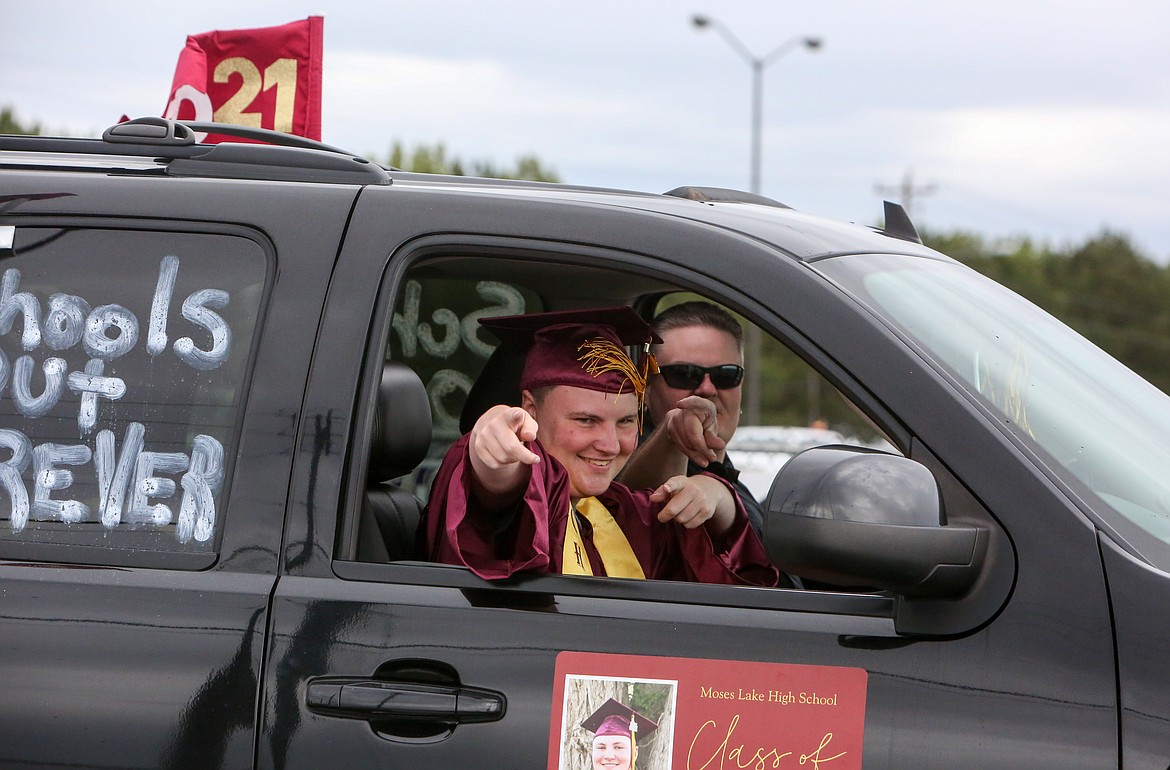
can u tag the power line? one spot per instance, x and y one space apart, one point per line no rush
906 191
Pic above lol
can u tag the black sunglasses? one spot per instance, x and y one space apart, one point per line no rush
690 376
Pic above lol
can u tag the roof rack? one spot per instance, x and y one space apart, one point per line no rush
897 224
174 144
152 130
723 195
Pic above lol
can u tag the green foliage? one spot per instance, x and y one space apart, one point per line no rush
648 699
1103 288
10 125
793 393
434 160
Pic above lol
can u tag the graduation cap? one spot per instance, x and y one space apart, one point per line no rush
580 348
616 718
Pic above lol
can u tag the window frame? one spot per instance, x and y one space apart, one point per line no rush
879 608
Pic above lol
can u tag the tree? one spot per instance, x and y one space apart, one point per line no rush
433 160
10 125
589 694
1103 288
1117 298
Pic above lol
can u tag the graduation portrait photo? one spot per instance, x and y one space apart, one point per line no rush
616 724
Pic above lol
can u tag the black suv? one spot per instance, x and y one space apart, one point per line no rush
228 373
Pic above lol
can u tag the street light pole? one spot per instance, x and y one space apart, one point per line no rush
757 64
757 122
753 342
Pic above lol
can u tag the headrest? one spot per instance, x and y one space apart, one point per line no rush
402 424
498 383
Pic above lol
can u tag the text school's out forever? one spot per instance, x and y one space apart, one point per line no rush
130 483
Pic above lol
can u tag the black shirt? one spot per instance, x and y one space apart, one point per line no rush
728 472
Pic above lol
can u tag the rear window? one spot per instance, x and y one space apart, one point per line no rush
123 361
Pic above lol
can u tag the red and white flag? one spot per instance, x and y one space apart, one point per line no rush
263 78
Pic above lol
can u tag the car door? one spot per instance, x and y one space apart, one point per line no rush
405 663
148 394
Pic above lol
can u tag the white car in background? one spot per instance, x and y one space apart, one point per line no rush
759 451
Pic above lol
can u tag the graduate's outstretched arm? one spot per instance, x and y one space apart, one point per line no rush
500 460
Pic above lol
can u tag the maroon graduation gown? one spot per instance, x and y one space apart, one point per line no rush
530 537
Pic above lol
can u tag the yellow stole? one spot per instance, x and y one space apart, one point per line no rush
616 553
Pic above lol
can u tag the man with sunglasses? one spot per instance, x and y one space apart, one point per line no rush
694 400
530 487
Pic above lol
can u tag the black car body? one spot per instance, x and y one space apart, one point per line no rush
230 371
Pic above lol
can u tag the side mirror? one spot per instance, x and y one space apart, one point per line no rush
851 516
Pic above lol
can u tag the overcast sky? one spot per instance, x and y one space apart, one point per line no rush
1041 118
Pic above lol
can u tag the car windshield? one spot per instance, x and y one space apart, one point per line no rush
1099 425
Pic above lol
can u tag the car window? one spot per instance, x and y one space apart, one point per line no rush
1098 425
123 356
787 406
434 331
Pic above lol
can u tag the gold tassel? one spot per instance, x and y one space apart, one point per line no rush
602 355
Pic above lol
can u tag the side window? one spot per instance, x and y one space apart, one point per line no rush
435 333
785 406
123 360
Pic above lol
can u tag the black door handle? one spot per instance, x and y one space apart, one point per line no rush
377 699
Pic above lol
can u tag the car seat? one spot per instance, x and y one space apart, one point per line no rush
498 383
399 442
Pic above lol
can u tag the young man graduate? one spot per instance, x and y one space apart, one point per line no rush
531 488
617 731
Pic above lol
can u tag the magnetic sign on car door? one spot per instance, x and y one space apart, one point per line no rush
693 714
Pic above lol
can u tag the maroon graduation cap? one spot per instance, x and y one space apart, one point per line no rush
616 718
580 348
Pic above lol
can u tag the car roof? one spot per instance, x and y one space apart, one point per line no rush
802 235
156 146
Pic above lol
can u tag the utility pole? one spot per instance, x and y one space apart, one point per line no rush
753 339
906 192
